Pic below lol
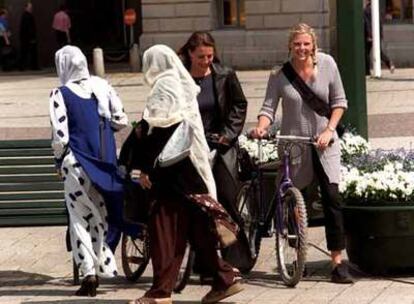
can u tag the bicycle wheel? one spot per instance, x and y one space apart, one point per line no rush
247 208
185 270
291 240
135 256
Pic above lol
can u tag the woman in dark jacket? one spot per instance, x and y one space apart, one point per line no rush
223 109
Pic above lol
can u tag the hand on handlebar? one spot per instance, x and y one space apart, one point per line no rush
258 132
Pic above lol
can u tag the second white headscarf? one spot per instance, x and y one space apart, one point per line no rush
173 98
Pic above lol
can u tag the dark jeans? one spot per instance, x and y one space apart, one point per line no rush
384 57
334 224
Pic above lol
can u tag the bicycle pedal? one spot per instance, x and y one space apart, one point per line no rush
265 232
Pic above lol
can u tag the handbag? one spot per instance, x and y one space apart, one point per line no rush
309 97
246 165
178 145
137 203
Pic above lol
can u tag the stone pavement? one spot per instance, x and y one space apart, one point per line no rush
35 268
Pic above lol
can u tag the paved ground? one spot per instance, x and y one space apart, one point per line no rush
35 268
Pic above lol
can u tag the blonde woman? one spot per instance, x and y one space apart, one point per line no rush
319 72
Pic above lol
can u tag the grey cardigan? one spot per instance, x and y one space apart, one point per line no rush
299 119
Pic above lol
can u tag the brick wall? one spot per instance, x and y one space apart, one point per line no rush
260 44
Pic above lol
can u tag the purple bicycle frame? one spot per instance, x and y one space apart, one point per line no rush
284 184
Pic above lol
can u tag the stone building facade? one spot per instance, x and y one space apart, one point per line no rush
249 33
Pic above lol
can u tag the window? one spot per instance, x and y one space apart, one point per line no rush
397 10
231 13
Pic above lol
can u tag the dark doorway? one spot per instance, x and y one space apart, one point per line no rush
100 23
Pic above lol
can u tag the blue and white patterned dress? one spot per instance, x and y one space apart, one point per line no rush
85 151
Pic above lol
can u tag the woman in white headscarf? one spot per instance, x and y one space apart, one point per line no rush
183 187
84 111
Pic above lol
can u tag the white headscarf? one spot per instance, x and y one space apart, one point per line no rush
173 98
71 67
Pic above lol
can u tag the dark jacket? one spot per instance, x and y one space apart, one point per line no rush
232 105
27 28
231 101
368 24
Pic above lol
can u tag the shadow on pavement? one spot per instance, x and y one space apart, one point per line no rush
78 301
394 79
316 271
92 301
19 278
51 292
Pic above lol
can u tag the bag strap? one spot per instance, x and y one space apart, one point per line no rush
308 96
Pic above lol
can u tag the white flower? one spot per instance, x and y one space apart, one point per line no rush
268 150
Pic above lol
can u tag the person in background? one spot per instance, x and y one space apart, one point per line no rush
4 27
368 41
320 72
61 25
84 112
28 40
6 50
185 207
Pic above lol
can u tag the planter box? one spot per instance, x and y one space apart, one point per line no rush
380 236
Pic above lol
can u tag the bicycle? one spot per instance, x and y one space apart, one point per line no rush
187 265
134 255
286 210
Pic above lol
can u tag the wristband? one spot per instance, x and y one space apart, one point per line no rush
330 128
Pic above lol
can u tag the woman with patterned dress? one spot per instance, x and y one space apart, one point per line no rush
84 112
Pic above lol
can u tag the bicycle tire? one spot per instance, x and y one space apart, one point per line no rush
246 206
185 270
135 256
292 238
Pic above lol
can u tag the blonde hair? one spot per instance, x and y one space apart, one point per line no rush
303 28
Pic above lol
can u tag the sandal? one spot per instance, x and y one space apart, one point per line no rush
214 296
147 300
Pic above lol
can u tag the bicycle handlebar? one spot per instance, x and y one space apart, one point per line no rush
292 138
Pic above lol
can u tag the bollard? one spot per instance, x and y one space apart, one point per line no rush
134 59
98 62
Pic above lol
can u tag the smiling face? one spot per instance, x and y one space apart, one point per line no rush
302 47
201 58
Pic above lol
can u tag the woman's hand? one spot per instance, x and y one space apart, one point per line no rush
261 128
224 140
141 178
258 132
324 139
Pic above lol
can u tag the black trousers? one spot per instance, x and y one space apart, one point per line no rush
61 39
331 203
28 56
384 57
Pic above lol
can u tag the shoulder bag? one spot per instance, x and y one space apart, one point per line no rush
309 97
178 146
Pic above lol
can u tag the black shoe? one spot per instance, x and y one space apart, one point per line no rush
88 286
341 275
